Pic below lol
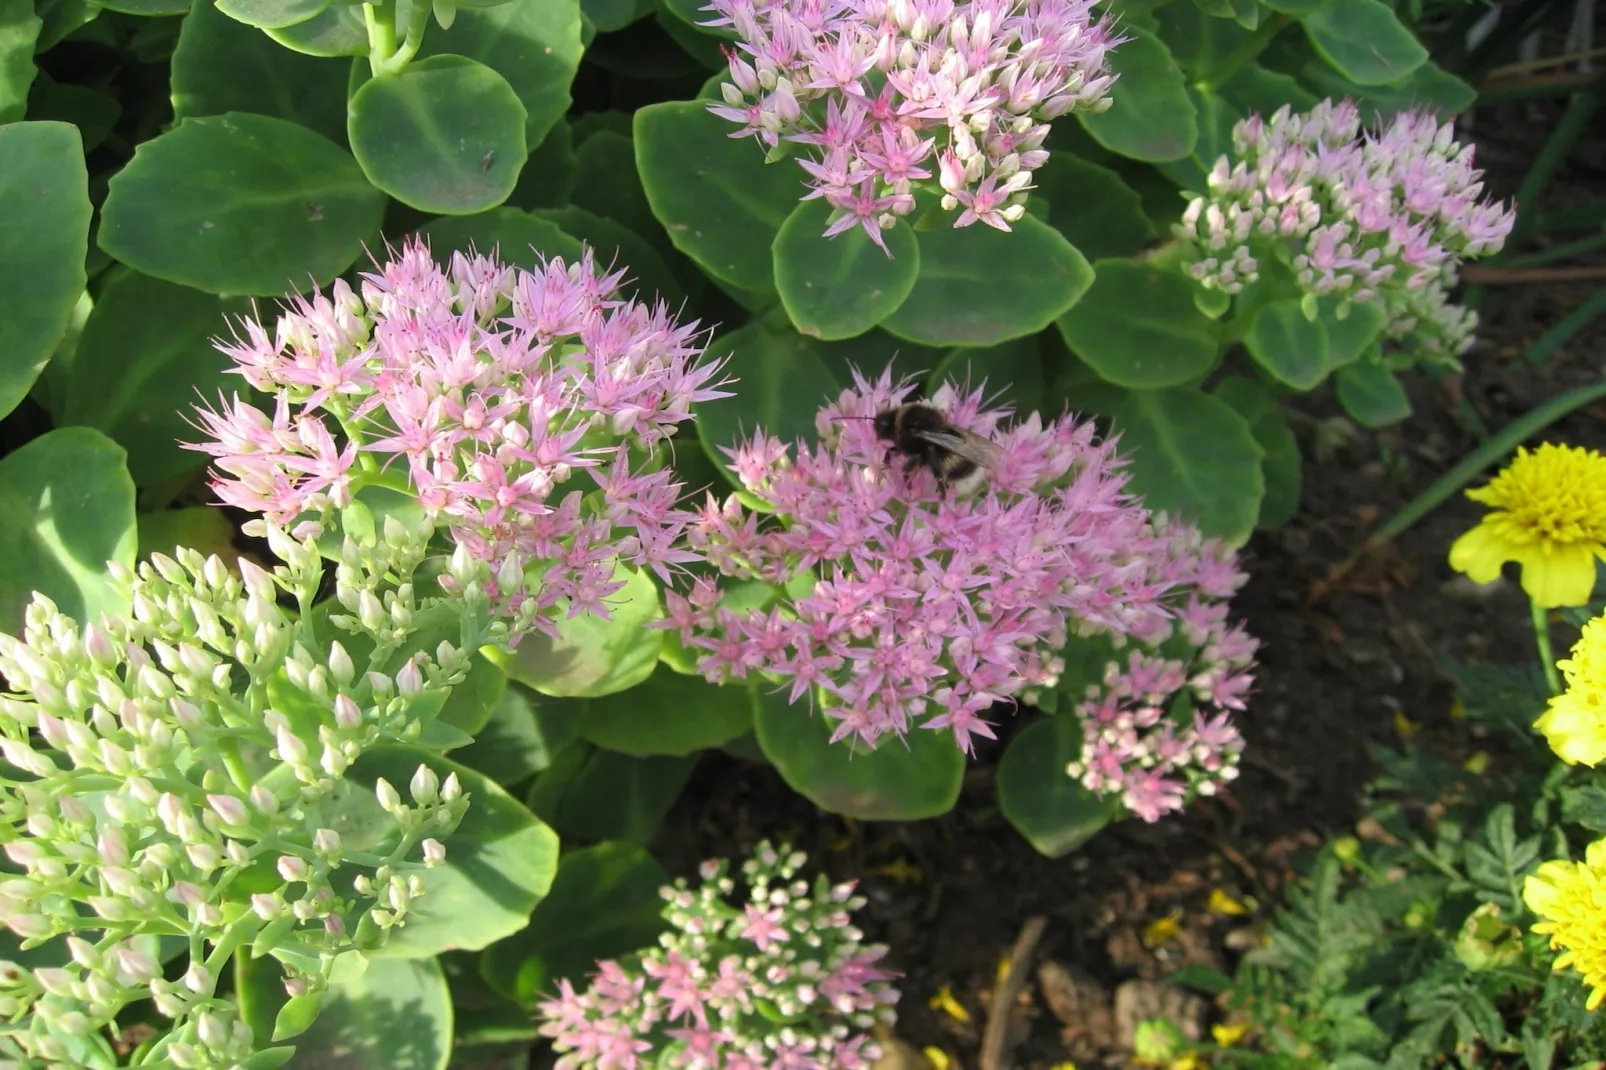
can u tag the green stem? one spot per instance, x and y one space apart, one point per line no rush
418 20
1252 46
1564 251
380 19
1542 640
1574 121
1562 332
1519 431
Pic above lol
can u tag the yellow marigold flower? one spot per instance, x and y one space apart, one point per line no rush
1228 1035
1549 516
1575 723
1566 895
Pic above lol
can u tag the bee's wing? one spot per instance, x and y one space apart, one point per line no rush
973 448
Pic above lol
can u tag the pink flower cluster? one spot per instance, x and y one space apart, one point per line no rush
494 385
884 91
1366 216
782 983
928 608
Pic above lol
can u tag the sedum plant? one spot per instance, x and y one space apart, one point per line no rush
779 979
177 780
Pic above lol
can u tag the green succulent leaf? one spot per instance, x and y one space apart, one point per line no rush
720 202
66 509
517 237
295 199
667 713
338 30
1049 807
268 14
1092 206
604 904
1371 394
1365 40
1291 348
979 286
499 861
444 135
591 794
900 780
19 36
650 279
590 656
1191 455
221 65
44 232
1138 327
1281 465
842 286
144 360
534 46
1151 118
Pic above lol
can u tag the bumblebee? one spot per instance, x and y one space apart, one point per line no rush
925 437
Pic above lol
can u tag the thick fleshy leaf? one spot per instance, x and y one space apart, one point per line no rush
338 30
1152 118
610 15
592 656
1254 88
499 861
44 232
444 135
1429 87
1371 394
1191 455
979 286
900 780
93 111
648 277
295 199
1012 372
720 202
1198 40
840 287
604 904
517 237
223 65
547 180
1352 335
1282 465
606 182
694 14
1365 40
701 47
666 714
1053 811
1139 327
1291 348
1092 207
205 529
391 1016
512 746
591 794
270 14
143 362
19 34
784 382
535 46
148 8
66 509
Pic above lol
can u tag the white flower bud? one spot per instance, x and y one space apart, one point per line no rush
231 810
434 852
135 967
203 855
409 680
290 748
451 791
348 715
199 979
389 798
327 843
267 907
293 868
425 785
264 799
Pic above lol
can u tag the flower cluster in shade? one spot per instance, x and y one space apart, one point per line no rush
1548 514
1382 217
1574 724
1568 898
482 390
182 774
883 95
902 605
783 981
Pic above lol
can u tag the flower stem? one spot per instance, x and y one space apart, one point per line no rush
1542 639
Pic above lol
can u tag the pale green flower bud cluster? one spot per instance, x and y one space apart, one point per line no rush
177 771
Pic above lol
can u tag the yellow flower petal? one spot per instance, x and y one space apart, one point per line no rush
1560 576
1566 896
1228 1035
1162 930
1479 553
1222 903
944 1001
1574 724
938 1058
1477 763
